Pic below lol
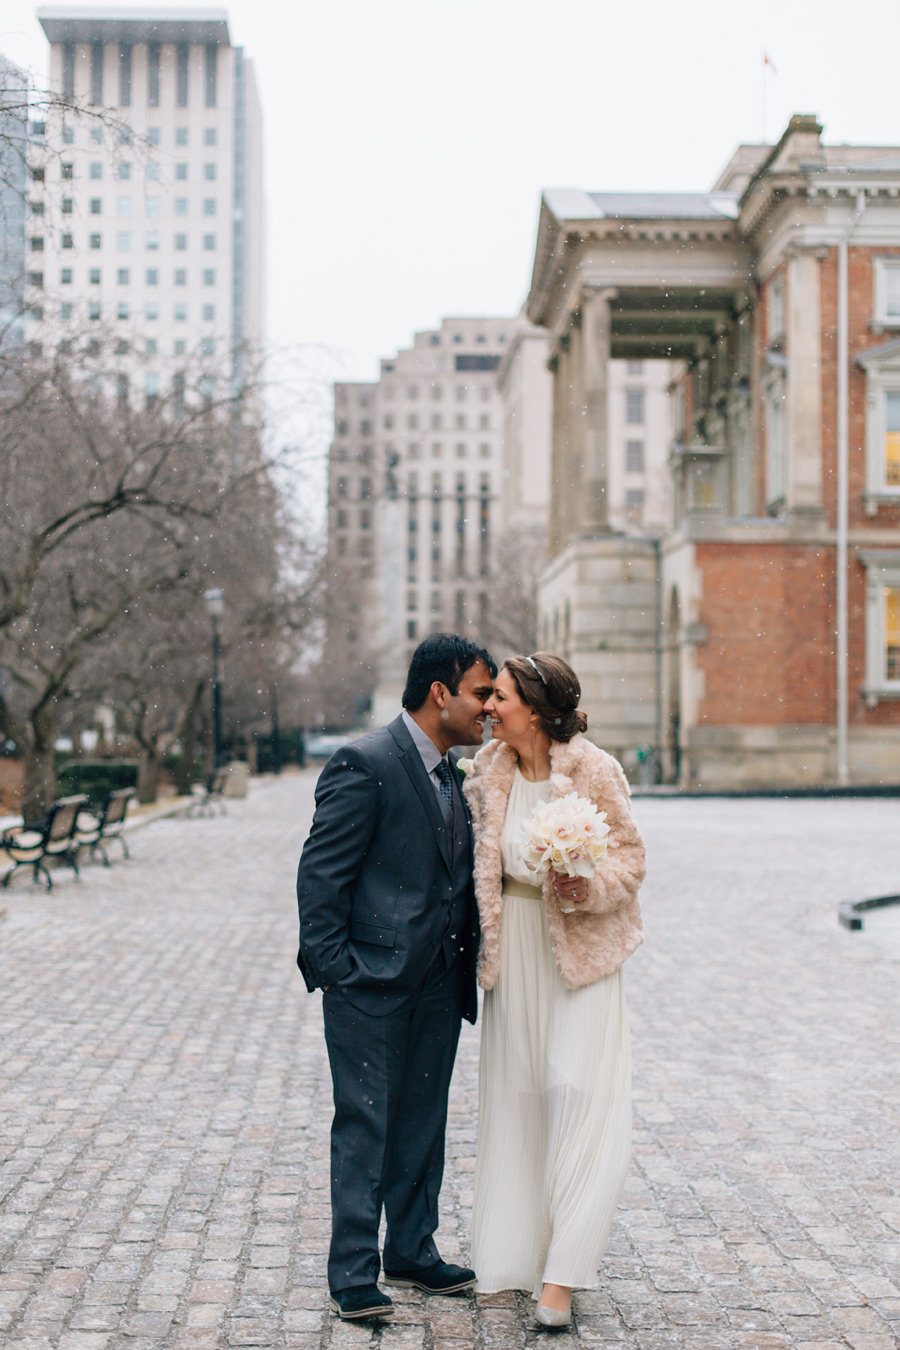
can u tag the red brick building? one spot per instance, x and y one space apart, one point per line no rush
758 641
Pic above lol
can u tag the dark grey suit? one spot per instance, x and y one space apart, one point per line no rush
388 922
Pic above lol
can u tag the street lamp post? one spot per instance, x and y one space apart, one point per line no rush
215 608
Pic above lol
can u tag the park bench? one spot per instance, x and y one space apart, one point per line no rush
34 844
95 829
207 796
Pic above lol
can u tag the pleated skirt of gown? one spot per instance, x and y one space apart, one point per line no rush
554 1138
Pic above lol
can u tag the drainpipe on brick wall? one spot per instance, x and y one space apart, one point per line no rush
843 491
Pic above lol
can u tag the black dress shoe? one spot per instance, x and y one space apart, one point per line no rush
440 1278
361 1300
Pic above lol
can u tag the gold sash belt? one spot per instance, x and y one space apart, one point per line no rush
522 889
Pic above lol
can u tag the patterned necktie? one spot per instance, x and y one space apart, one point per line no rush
442 770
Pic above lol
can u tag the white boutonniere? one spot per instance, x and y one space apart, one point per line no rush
465 767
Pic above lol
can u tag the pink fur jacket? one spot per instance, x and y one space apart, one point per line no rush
606 927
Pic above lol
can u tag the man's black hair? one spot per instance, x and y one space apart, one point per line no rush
445 657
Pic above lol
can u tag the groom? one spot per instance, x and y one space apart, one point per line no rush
389 930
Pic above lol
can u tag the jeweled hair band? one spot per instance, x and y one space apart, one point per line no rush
536 670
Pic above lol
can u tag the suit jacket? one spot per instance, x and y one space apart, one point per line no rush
375 877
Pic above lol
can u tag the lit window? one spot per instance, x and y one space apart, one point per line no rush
882 623
882 367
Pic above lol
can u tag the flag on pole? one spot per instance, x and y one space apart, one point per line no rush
767 61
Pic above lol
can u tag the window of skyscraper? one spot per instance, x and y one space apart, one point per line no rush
209 135
182 52
153 74
96 241
211 66
96 206
97 74
124 74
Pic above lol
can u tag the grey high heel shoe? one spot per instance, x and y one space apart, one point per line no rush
553 1317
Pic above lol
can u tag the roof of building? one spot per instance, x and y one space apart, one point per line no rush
119 23
574 204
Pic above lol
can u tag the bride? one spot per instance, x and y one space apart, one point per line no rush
554 1136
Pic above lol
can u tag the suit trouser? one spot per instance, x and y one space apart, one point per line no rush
391 1078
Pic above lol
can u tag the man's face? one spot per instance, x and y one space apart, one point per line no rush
463 713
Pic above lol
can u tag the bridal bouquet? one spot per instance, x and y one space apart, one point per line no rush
568 836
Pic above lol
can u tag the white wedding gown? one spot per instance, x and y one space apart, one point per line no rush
554 1132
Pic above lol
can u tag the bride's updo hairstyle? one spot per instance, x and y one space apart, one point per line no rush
549 685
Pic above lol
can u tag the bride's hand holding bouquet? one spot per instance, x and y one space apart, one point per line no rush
568 837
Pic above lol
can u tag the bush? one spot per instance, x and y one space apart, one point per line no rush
96 777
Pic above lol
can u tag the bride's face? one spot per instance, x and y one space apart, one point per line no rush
510 716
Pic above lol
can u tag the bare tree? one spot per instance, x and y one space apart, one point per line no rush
108 514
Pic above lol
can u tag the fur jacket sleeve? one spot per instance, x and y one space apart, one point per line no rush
606 928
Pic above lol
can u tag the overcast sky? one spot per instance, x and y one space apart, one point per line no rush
407 141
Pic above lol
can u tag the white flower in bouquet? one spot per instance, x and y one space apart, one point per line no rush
568 836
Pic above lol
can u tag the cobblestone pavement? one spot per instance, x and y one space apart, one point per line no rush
164 1100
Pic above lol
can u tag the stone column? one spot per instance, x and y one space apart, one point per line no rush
593 507
803 423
